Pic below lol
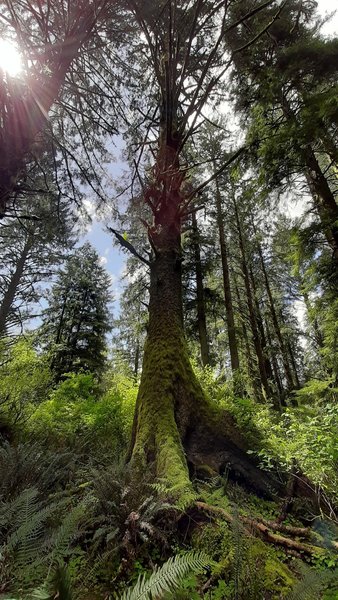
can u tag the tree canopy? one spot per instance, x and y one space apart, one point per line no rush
185 421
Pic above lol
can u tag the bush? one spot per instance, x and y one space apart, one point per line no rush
25 379
77 414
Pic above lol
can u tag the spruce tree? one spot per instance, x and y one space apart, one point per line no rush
77 319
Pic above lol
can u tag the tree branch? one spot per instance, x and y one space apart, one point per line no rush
125 244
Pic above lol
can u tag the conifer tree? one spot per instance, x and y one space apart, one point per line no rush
77 319
33 241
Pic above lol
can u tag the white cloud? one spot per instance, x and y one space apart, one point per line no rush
103 260
89 207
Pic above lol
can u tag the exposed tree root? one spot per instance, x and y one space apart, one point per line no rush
263 530
304 532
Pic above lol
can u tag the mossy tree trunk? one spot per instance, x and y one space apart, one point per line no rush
175 426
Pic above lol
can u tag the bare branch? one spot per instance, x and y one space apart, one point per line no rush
125 244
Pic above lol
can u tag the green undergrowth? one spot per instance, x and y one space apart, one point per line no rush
91 532
76 524
306 433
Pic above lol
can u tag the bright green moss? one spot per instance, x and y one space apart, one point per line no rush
163 410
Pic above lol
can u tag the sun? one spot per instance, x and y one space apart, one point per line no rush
10 59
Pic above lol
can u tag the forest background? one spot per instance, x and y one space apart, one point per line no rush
195 428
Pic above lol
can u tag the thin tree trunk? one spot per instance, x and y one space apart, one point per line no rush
283 348
324 200
260 325
229 311
276 373
9 296
252 371
250 302
294 364
201 313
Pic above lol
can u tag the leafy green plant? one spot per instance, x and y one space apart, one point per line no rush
125 514
166 578
30 464
79 414
25 379
36 536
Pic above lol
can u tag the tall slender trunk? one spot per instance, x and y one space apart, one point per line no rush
250 302
294 364
251 365
276 372
9 295
201 313
260 326
323 196
275 322
318 334
229 311
324 200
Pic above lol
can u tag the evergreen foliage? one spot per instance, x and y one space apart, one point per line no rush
77 319
201 420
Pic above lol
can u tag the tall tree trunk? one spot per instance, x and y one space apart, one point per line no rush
229 311
174 423
294 364
9 295
276 373
275 322
324 200
251 364
260 326
250 302
201 313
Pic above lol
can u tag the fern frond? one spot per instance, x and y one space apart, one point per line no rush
25 541
312 584
58 587
166 578
66 532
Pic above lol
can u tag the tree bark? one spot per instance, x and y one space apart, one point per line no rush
260 326
251 364
9 295
201 313
276 373
175 425
283 349
229 311
250 302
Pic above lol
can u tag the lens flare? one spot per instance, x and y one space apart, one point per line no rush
10 59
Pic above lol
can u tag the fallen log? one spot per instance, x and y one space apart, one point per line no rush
263 530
